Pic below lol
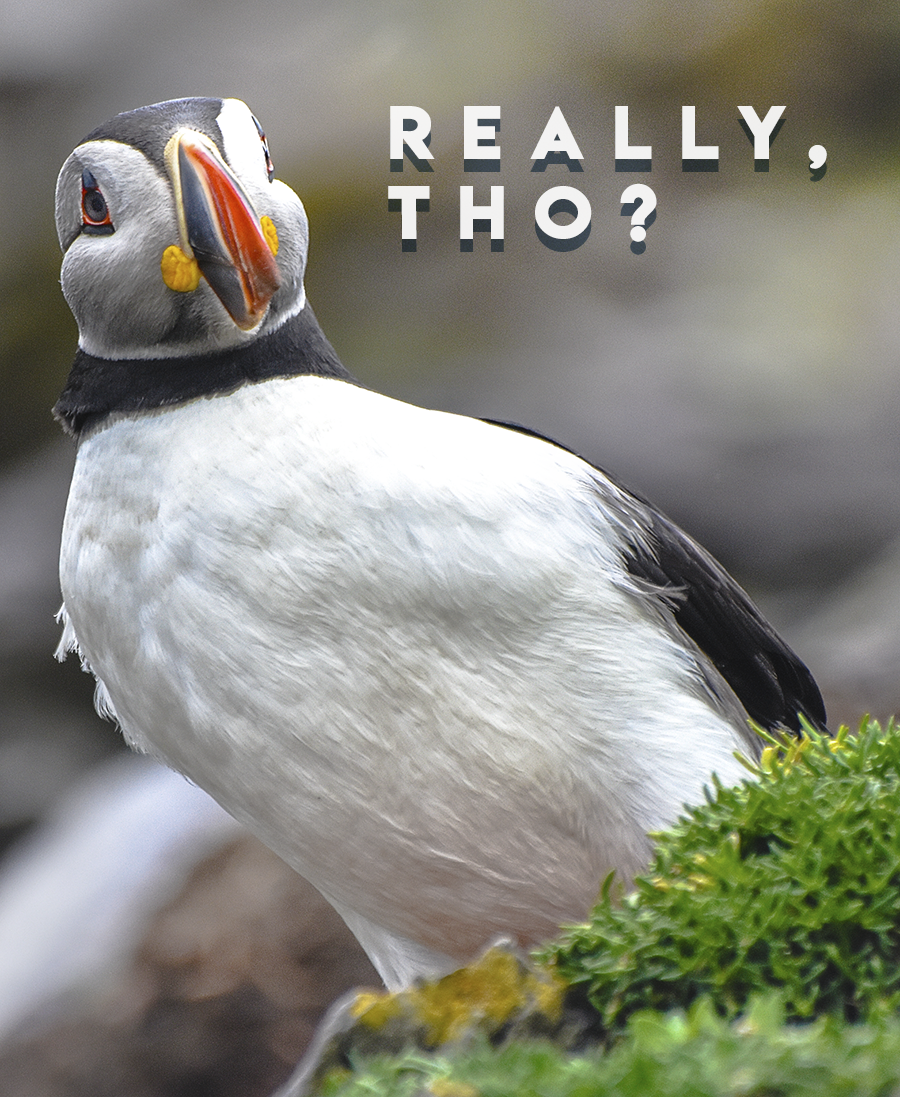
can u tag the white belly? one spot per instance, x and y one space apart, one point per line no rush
385 640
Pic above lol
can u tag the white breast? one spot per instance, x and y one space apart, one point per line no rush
388 640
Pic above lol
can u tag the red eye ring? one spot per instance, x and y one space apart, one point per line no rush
95 218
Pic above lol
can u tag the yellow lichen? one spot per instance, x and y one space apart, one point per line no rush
492 989
374 1010
484 996
179 271
270 232
549 994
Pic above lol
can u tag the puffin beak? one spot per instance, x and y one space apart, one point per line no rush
220 228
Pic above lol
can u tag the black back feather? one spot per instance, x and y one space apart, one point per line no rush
769 680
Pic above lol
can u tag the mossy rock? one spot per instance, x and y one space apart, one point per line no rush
501 997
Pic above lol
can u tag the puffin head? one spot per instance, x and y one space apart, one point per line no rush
177 237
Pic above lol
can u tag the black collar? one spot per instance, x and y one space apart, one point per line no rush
98 386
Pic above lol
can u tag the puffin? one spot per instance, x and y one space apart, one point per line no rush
452 673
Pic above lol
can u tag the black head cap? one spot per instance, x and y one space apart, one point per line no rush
149 128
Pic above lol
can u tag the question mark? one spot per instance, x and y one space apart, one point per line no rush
645 204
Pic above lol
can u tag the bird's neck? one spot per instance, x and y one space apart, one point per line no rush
97 387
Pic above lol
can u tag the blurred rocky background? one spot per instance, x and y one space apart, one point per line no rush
742 372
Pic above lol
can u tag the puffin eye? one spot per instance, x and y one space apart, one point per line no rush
270 167
95 219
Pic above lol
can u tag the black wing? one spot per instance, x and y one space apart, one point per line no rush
768 679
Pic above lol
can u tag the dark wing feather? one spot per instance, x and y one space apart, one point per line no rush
768 679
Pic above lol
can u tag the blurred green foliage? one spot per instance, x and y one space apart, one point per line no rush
697 1054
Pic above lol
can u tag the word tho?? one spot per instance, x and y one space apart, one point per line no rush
410 135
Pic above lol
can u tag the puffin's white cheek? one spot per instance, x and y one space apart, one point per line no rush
117 294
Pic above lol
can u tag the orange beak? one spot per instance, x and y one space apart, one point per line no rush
221 229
